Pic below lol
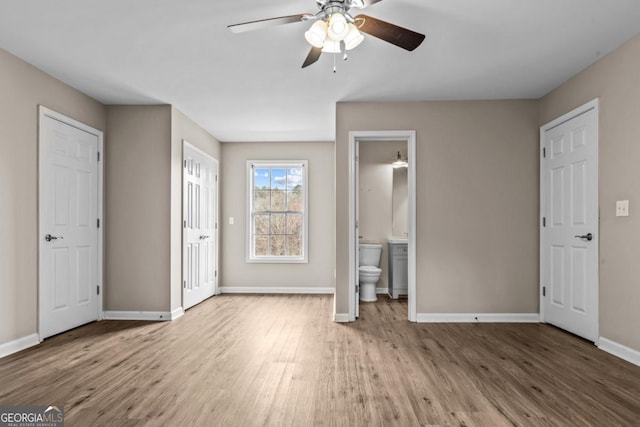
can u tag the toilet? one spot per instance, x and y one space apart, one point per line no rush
368 271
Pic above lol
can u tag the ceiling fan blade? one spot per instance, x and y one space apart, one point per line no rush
313 56
266 23
401 37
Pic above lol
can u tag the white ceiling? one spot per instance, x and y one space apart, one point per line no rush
250 87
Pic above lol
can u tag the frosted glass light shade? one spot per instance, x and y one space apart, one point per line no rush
317 34
331 46
353 38
338 28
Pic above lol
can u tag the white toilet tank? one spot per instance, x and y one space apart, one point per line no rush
370 254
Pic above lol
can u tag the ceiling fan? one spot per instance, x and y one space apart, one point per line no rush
335 30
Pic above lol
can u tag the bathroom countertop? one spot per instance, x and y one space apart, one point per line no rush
397 239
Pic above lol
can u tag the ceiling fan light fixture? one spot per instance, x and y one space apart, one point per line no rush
331 46
317 34
338 28
354 38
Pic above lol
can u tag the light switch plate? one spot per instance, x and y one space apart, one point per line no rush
622 208
230 220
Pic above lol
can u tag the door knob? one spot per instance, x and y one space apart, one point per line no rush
204 237
49 237
587 236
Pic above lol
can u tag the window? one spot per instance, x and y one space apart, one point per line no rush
277 211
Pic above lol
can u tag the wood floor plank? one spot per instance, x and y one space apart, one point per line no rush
279 360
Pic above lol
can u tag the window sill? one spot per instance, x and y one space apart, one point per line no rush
277 261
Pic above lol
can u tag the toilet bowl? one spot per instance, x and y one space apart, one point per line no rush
368 271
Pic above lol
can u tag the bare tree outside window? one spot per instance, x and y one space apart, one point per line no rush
277 211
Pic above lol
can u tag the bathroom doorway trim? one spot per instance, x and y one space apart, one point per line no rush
371 136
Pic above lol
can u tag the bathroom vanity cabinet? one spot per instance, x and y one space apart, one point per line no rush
398 269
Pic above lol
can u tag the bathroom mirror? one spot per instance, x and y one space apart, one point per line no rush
400 197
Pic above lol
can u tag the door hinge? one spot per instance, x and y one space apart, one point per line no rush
98 156
185 224
98 289
544 221
184 284
544 291
215 274
544 152
216 225
216 178
98 222
185 163
357 289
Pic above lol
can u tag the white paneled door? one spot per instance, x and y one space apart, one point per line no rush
200 223
68 234
356 188
569 232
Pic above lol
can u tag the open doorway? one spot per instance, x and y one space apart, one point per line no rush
355 140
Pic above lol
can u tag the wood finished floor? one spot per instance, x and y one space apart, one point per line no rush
281 361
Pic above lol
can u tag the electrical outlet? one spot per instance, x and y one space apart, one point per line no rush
622 208
230 220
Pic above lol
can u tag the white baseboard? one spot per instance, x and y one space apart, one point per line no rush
478 318
380 291
178 312
341 317
619 350
18 345
275 290
139 315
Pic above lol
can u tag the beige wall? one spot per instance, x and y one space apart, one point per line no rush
376 196
318 272
183 128
137 205
615 80
477 201
23 88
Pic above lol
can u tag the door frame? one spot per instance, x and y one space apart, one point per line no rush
595 106
371 136
216 290
44 112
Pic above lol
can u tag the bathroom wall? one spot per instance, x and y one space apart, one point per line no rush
376 196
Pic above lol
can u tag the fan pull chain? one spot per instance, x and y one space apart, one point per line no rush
334 63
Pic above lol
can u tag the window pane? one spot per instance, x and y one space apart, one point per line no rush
278 178
261 200
261 224
278 223
278 246
295 201
294 224
278 200
294 179
262 245
295 245
261 178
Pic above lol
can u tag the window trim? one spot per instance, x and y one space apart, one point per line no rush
249 241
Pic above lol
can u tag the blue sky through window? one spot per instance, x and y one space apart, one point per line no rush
277 178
